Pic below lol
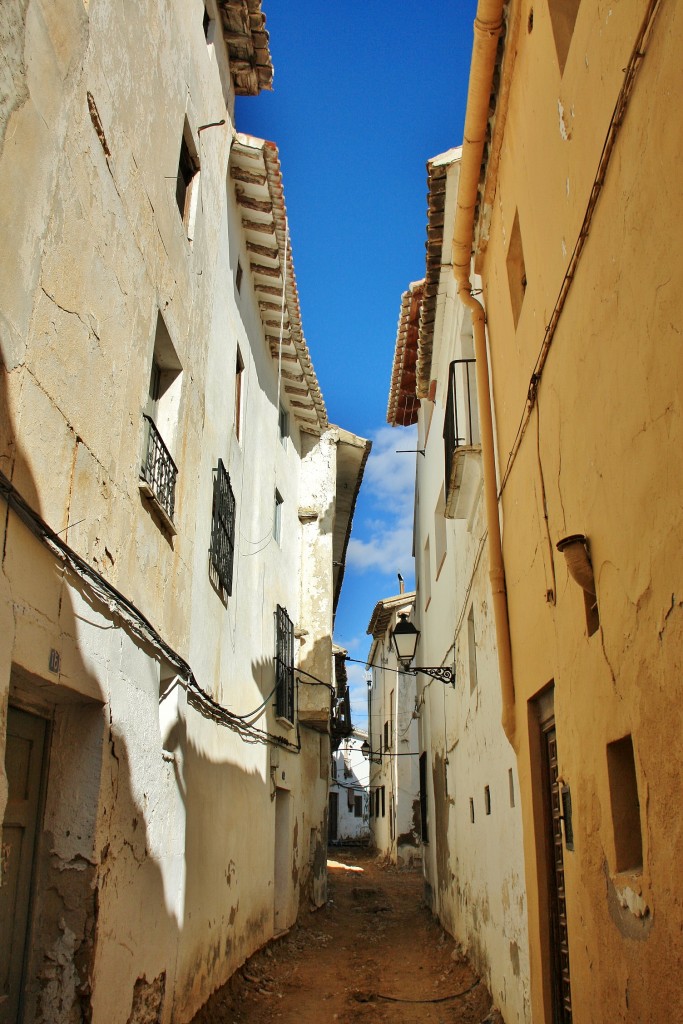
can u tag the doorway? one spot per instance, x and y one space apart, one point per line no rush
283 859
333 818
554 852
25 768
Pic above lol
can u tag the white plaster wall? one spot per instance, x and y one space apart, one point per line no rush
475 872
182 854
350 757
397 770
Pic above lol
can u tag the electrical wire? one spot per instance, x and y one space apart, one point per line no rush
131 616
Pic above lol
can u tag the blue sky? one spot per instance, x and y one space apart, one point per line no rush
364 94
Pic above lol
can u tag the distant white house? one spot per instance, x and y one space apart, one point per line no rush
349 791
395 813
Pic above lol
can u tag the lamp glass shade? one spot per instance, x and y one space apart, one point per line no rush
365 749
405 637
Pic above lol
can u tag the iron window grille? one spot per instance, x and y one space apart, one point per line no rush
284 664
158 468
222 549
460 425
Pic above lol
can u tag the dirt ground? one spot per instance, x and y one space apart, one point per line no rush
374 953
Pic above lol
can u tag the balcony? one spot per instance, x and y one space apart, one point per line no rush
158 474
462 447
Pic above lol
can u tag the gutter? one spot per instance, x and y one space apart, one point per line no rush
487 29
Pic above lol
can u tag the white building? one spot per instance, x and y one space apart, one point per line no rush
172 542
395 817
349 792
473 855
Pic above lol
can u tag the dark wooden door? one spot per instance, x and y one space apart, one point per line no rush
333 818
559 938
24 757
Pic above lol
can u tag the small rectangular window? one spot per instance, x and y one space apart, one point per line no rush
358 807
427 575
563 14
284 664
187 180
277 518
440 537
349 798
239 371
386 735
377 803
516 270
472 650
283 426
623 791
383 801
222 548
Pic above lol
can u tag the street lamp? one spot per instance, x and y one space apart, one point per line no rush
404 637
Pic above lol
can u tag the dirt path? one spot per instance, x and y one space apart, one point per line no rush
370 955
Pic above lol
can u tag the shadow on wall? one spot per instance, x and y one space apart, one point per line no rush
92 851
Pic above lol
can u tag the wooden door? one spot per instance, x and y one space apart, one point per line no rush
559 937
333 818
24 758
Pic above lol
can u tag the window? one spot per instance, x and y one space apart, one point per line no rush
277 518
209 26
358 807
516 270
187 181
386 735
563 15
391 719
423 798
440 532
472 650
283 426
349 798
222 549
623 791
239 371
426 575
487 799
158 471
383 791
284 664
377 802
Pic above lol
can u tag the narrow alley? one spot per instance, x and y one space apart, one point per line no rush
373 953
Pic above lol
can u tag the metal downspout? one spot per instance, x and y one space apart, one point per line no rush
487 29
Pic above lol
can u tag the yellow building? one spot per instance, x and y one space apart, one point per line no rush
569 200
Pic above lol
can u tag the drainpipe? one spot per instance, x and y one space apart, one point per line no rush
487 29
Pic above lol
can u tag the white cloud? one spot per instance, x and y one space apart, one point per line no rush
387 551
386 538
359 694
390 473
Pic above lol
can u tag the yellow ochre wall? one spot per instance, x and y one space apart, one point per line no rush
602 453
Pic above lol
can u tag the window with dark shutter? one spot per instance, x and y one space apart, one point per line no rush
222 550
284 664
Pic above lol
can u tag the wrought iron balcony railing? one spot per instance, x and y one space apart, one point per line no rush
158 470
461 424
